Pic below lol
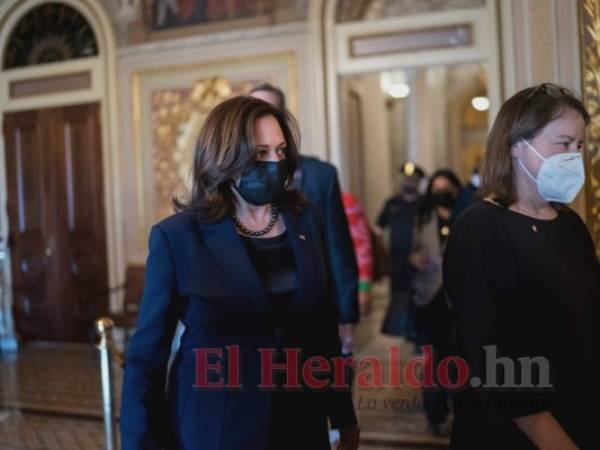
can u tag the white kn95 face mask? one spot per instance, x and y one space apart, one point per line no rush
560 177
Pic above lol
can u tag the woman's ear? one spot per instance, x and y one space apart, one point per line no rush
516 150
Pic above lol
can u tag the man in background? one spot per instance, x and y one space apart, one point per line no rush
398 214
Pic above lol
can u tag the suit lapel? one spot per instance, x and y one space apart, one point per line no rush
302 247
230 254
226 246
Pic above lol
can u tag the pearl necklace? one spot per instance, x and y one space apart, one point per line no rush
240 226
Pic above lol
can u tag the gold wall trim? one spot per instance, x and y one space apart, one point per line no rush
589 30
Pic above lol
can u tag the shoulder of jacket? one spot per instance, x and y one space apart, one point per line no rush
572 216
316 163
567 211
178 222
482 216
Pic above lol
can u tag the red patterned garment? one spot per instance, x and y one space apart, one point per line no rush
361 238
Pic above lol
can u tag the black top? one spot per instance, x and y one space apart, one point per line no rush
531 288
274 262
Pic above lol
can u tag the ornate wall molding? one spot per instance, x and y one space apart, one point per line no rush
357 10
177 118
589 11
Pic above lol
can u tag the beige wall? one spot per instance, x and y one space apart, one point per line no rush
427 120
378 168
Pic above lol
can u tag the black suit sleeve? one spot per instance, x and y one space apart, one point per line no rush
339 405
340 253
326 342
384 217
144 420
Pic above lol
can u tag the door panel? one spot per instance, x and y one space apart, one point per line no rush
56 218
27 170
81 218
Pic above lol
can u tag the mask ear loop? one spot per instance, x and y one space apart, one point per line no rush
539 155
527 172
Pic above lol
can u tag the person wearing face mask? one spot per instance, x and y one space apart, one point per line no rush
318 181
474 181
398 215
523 278
241 265
444 200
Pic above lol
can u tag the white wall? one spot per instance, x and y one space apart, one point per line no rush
378 167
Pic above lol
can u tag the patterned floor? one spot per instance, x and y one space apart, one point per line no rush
50 398
389 417
23 431
54 378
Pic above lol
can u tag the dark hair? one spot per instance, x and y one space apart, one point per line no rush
274 90
427 204
226 148
521 117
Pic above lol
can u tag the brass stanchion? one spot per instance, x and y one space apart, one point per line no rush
104 327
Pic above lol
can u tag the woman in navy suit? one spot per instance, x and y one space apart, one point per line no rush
241 265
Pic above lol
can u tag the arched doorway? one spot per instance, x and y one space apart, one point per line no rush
60 180
362 38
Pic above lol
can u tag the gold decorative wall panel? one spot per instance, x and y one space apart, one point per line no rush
590 69
177 117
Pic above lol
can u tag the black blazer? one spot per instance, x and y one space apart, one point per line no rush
201 274
319 182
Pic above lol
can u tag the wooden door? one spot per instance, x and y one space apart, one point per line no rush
56 218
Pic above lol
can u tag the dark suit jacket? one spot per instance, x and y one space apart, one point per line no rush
201 274
319 182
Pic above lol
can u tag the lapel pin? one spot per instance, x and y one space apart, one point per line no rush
301 236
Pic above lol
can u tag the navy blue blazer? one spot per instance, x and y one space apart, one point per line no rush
202 275
319 182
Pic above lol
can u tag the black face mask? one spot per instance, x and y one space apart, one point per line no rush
409 189
264 182
444 199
